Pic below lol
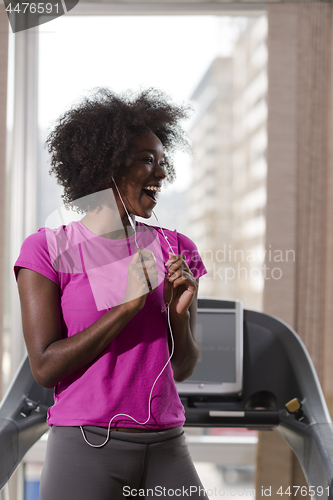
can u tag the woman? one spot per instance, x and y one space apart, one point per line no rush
98 299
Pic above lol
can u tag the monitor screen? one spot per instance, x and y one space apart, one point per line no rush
217 361
219 370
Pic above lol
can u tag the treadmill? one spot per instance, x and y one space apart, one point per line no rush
280 391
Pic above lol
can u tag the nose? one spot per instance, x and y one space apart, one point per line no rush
160 171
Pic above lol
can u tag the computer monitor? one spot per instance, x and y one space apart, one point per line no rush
219 333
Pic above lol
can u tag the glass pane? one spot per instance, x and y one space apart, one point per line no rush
219 64
219 196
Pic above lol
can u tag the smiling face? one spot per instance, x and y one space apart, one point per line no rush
142 180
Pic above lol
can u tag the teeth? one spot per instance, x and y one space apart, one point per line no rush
153 188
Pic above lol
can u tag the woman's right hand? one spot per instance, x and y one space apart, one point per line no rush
142 278
54 357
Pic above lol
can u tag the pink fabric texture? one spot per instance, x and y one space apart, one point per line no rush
91 272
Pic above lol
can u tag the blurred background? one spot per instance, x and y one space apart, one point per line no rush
255 195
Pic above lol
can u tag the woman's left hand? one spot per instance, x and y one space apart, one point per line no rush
181 281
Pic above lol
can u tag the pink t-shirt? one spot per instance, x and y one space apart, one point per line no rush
91 273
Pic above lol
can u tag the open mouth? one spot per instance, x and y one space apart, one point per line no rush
151 192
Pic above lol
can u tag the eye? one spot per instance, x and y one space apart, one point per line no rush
149 160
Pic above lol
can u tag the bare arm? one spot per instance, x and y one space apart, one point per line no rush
186 352
52 357
183 310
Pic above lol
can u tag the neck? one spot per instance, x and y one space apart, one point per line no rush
108 220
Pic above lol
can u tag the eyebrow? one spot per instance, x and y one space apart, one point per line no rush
149 150
153 151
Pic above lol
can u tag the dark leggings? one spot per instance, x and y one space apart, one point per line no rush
144 465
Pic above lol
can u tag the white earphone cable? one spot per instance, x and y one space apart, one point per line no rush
165 237
166 308
128 215
149 399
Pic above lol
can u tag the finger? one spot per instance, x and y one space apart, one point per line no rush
147 254
137 256
176 274
149 264
138 281
184 276
153 280
143 263
190 286
181 274
179 264
153 271
138 262
142 254
174 258
146 276
139 271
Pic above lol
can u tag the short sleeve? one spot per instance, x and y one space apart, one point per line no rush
193 259
35 255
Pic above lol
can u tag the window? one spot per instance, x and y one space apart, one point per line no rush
218 63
